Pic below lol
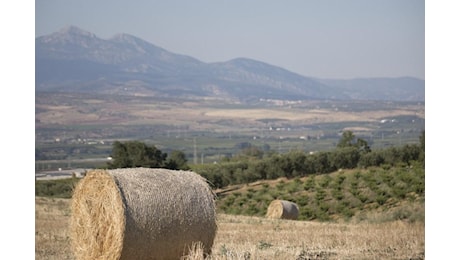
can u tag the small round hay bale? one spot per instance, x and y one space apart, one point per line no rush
141 213
282 209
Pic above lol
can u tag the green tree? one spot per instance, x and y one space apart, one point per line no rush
362 145
410 152
120 158
348 140
346 158
136 154
299 167
320 162
422 147
177 161
422 140
373 158
252 152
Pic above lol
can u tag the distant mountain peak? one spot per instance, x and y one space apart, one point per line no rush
73 30
125 37
247 62
73 59
69 34
129 39
242 60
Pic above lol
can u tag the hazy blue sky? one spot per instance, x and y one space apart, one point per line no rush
322 38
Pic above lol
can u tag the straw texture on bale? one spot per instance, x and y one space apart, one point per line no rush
282 209
141 213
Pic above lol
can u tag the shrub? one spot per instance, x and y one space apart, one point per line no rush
309 184
324 182
62 188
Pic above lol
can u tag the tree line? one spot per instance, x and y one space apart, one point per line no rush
132 154
253 164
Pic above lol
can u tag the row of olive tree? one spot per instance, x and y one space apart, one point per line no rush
252 164
350 153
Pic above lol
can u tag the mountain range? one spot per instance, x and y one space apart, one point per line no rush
74 60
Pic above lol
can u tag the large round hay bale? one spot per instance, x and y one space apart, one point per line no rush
282 209
141 213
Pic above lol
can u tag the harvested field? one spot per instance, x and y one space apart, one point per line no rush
96 110
241 237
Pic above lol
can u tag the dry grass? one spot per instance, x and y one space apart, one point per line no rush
240 237
52 235
287 239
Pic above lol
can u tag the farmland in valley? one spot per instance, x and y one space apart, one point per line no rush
71 127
